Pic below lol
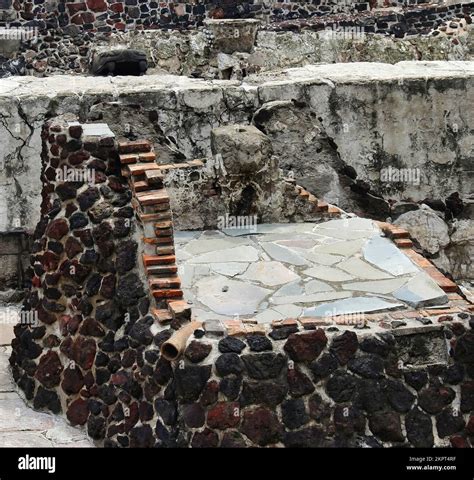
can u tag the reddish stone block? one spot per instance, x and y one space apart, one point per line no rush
78 412
224 415
49 370
306 347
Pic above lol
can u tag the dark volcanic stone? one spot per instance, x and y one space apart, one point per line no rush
91 327
47 399
66 191
78 412
399 397
306 347
231 345
419 429
232 440
140 331
348 420
467 397
73 247
324 366
49 370
368 366
259 343
261 426
386 426
87 198
319 409
313 437
375 345
197 351
142 437
283 332
454 374
129 290
299 383
435 399
464 350
96 427
230 386
449 422
57 229
78 220
294 413
205 439
416 379
83 352
370 396
229 363
194 415
210 393
345 346
73 380
341 386
190 381
263 366
166 410
224 415
267 393
126 256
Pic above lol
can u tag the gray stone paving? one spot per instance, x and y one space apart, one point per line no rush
343 266
20 425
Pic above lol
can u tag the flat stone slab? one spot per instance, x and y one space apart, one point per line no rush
283 254
357 305
329 274
421 291
382 253
230 297
291 270
235 254
269 273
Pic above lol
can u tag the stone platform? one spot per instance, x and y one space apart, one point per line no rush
344 267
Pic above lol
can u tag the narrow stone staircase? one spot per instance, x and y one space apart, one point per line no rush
152 207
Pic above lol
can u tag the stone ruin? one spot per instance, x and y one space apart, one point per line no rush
119 349
227 252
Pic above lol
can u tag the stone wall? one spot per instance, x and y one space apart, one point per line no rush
105 15
180 113
323 388
85 281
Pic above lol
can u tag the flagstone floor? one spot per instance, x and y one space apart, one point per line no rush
20 425
283 271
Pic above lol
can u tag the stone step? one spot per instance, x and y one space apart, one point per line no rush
155 177
164 233
161 315
128 158
322 206
147 157
154 217
135 146
141 186
167 293
163 225
403 242
149 260
164 282
398 233
153 197
140 168
159 242
165 250
161 270
179 309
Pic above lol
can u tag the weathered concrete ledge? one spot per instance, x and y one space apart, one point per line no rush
421 108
